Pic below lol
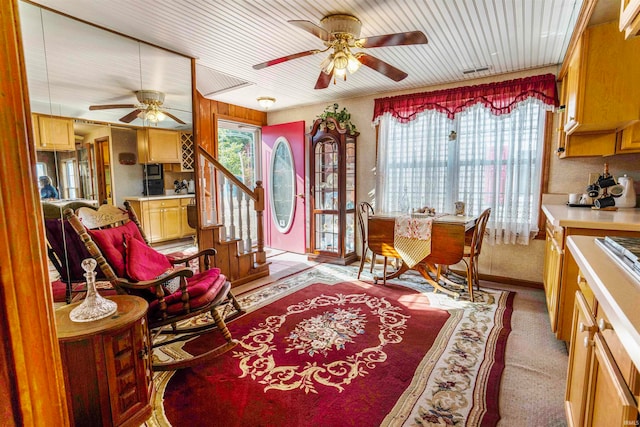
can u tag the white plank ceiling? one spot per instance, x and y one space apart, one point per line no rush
71 66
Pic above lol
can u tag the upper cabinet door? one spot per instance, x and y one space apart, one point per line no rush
54 134
159 146
630 17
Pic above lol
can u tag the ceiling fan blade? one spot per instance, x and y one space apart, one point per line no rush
398 39
284 59
131 116
173 117
111 106
323 80
382 67
312 28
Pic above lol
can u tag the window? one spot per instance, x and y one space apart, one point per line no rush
237 150
70 181
480 158
41 169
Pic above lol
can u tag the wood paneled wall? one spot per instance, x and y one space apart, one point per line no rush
209 112
31 374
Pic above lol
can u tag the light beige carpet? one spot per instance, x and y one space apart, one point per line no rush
533 381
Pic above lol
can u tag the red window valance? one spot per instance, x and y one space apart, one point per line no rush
500 97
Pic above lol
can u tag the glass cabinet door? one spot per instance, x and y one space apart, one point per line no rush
326 190
350 191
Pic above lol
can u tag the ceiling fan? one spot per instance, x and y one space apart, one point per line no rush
149 108
340 34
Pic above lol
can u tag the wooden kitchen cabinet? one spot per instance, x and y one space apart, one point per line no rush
599 92
560 272
159 146
629 21
107 365
53 133
601 379
185 228
163 219
629 140
552 268
580 354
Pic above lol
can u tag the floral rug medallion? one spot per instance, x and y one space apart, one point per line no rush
317 336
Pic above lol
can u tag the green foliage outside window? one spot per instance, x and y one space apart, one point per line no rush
235 152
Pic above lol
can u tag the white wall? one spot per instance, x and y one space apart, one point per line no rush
566 175
127 179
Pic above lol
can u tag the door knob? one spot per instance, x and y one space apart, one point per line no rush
301 195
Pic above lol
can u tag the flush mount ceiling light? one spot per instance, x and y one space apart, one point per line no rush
340 34
266 102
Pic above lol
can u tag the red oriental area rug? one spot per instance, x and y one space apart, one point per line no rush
346 354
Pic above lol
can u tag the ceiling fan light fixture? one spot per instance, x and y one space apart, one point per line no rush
152 114
266 101
327 64
160 115
340 61
353 65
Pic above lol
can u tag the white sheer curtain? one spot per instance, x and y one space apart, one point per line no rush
490 161
413 163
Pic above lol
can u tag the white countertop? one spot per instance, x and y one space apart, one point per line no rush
172 196
617 292
562 215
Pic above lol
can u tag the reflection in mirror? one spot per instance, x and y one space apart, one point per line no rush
92 92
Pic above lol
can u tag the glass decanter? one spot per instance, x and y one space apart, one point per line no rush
94 306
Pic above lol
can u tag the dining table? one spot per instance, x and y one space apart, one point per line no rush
449 233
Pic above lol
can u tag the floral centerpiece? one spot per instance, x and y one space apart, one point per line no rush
343 117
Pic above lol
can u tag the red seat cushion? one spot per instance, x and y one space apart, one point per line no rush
202 287
111 242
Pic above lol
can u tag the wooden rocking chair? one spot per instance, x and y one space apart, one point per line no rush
175 294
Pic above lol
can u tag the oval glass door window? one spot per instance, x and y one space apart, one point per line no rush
282 185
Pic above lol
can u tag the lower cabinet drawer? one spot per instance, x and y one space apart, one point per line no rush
619 354
158 204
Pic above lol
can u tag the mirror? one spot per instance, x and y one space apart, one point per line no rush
91 154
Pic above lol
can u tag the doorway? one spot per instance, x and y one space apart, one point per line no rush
103 170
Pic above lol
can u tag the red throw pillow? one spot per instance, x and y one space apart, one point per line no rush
111 243
144 262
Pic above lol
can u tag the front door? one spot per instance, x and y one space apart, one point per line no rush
283 163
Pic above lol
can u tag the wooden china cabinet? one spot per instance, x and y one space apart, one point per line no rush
332 183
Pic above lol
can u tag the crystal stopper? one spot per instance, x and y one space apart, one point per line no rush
94 306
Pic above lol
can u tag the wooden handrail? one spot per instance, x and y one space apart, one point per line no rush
220 167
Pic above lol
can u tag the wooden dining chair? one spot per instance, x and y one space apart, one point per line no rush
472 251
364 211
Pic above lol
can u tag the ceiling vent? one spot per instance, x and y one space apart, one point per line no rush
476 70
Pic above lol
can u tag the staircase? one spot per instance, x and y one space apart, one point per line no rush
230 218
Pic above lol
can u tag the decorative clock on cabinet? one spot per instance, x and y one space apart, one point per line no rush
332 175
